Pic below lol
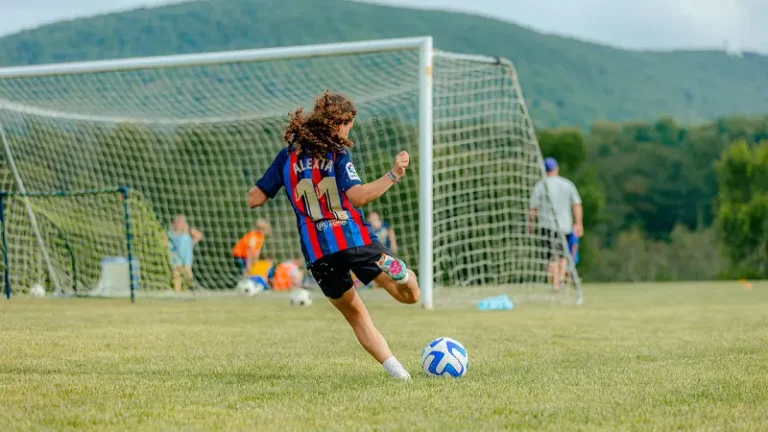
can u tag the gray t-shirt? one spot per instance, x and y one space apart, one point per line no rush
563 195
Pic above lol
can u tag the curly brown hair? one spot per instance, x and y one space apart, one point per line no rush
317 134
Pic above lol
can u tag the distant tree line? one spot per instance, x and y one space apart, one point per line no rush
669 202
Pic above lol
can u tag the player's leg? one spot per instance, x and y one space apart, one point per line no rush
189 278
240 263
408 293
565 271
177 269
377 263
552 271
333 276
548 241
557 270
562 274
352 307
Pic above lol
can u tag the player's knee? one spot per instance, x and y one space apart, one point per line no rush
414 296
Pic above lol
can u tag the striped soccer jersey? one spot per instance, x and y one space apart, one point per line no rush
316 188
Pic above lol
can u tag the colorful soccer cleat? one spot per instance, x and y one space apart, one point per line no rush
393 268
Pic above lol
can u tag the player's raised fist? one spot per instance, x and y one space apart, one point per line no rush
401 163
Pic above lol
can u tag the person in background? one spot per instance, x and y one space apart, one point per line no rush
248 249
182 240
560 215
287 275
384 232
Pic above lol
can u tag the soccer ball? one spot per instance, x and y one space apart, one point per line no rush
250 287
37 290
444 357
300 297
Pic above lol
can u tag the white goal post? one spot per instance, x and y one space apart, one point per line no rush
192 132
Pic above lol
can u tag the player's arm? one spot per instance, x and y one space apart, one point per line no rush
270 183
256 197
362 194
578 212
531 220
578 220
533 210
254 251
196 234
251 259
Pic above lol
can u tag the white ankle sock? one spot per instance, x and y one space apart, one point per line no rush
395 369
404 280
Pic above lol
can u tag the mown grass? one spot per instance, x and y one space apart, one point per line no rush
633 357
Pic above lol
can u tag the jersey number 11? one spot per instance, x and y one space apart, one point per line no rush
306 191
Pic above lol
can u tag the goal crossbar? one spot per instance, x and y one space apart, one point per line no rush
217 58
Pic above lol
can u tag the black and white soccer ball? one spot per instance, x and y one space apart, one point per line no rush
250 287
300 297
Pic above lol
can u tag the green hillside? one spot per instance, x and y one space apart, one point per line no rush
566 82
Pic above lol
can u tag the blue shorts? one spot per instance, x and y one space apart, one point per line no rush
573 241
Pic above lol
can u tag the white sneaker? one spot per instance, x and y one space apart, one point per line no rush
396 370
402 375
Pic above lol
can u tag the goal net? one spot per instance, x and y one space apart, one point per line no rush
72 243
193 133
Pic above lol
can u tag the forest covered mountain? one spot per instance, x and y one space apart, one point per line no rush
565 81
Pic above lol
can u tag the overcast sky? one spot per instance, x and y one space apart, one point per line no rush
654 24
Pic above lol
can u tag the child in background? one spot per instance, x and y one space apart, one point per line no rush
383 231
182 240
287 275
247 250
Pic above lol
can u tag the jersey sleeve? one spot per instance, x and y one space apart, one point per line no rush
272 180
575 197
537 195
346 175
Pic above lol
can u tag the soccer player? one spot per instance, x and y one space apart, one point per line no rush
561 215
326 193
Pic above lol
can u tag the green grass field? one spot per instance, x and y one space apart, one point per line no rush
634 357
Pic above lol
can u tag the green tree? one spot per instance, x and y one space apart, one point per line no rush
743 206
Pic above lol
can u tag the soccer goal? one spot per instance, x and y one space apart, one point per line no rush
85 243
192 133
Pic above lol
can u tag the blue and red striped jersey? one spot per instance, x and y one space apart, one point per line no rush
316 188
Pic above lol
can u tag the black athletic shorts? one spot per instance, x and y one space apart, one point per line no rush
332 272
551 244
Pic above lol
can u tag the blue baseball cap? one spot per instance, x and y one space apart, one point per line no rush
550 164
